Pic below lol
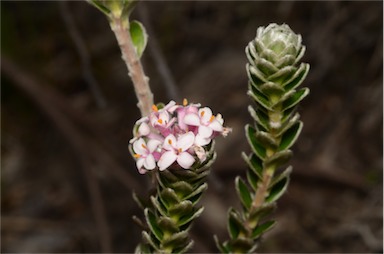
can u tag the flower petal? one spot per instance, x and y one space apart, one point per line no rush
163 118
185 141
170 143
205 131
152 144
200 152
201 141
216 126
139 146
149 162
143 129
192 119
166 160
205 114
185 160
169 105
140 163
142 171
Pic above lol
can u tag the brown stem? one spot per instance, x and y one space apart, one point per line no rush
140 82
262 191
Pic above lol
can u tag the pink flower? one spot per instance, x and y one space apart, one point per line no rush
162 120
175 135
177 150
183 111
207 125
145 154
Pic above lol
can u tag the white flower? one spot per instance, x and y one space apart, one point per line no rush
207 124
144 154
177 150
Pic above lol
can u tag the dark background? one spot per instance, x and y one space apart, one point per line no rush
64 159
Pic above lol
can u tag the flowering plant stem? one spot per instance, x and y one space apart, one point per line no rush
120 26
274 74
174 207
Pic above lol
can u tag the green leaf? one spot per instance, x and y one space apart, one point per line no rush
99 5
235 224
260 229
295 98
285 173
205 166
261 212
253 179
152 223
255 76
285 61
242 245
223 248
184 249
290 136
279 158
196 194
186 219
278 189
259 116
257 148
139 36
243 192
287 114
265 66
148 239
167 225
255 164
169 197
294 119
176 240
182 188
159 206
266 139
297 78
283 74
272 89
259 97
182 208
139 201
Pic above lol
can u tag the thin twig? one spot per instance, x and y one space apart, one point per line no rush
140 82
83 53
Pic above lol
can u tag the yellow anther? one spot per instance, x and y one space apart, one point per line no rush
170 141
160 121
211 119
154 108
143 146
202 113
179 150
185 102
136 155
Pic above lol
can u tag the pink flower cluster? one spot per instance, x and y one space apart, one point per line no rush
175 134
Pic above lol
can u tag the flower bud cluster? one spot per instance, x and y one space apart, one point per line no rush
175 135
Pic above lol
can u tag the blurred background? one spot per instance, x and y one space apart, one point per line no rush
68 106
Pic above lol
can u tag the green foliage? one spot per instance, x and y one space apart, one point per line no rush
114 8
173 208
139 36
274 74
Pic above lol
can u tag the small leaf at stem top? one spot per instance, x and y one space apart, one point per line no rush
139 36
